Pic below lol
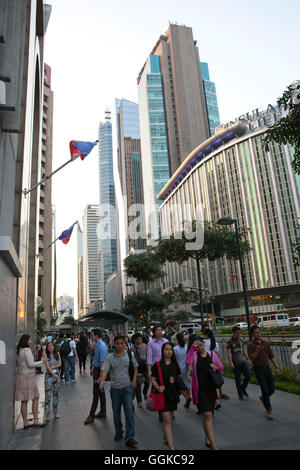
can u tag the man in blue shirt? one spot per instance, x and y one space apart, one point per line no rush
99 358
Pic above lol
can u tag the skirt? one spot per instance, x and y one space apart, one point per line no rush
26 388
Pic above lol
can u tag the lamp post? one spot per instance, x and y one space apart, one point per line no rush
229 221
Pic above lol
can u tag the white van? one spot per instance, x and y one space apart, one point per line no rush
193 326
293 320
276 319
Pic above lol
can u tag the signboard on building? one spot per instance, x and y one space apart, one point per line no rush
257 119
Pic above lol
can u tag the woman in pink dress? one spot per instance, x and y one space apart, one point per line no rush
203 390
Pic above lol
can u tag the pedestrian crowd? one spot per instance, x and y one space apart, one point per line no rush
146 361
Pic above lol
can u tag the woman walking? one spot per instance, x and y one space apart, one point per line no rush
26 386
52 379
82 348
203 389
171 386
180 352
140 353
211 345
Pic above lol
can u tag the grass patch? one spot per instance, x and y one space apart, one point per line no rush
287 381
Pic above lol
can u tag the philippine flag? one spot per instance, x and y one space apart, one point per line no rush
66 235
81 149
234 276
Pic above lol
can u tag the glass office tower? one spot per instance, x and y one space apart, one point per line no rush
108 228
211 99
130 170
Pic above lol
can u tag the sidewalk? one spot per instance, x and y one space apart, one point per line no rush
238 425
29 439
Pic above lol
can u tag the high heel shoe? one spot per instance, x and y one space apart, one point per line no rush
207 445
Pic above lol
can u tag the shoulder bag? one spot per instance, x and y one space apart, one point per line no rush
156 400
215 376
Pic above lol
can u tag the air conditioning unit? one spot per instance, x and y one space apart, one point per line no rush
2 92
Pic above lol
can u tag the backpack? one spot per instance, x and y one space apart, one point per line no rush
65 348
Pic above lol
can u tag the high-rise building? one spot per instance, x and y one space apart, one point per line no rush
172 109
80 275
211 99
45 219
130 170
232 175
93 289
108 214
23 26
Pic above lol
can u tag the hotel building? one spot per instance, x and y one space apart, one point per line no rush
232 175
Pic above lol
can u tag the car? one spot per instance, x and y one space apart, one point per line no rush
242 325
195 327
297 323
294 320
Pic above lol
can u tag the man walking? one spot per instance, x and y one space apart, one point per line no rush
154 348
239 362
100 354
154 353
260 354
68 353
117 364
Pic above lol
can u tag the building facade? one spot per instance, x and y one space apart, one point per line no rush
211 99
108 214
172 108
130 171
45 213
80 276
232 175
92 282
23 24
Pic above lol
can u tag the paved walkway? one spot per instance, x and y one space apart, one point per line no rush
238 425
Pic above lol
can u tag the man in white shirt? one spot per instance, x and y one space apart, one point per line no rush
69 360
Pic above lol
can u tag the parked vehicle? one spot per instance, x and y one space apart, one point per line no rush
275 319
193 326
294 320
242 325
297 323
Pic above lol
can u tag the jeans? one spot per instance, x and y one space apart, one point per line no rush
145 390
69 362
82 360
265 378
239 369
119 397
97 394
51 388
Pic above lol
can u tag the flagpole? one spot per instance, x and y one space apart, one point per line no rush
42 252
27 191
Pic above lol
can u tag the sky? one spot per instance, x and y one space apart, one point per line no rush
96 49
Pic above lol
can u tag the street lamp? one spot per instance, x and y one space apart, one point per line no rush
229 221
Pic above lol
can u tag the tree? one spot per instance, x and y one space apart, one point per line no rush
140 304
287 129
219 241
144 267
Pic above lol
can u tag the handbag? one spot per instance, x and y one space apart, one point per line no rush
156 401
216 378
140 379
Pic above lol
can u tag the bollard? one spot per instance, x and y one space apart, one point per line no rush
269 335
283 335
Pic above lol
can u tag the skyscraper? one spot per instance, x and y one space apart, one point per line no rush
108 216
211 99
80 275
130 170
172 108
92 285
45 219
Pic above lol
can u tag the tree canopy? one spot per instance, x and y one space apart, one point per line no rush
144 267
287 129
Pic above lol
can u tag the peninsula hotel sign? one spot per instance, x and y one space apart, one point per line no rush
257 119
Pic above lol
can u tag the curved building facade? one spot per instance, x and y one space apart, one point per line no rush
232 175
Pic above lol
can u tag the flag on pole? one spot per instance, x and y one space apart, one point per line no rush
66 235
234 276
81 149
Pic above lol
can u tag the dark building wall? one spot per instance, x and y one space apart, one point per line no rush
21 65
